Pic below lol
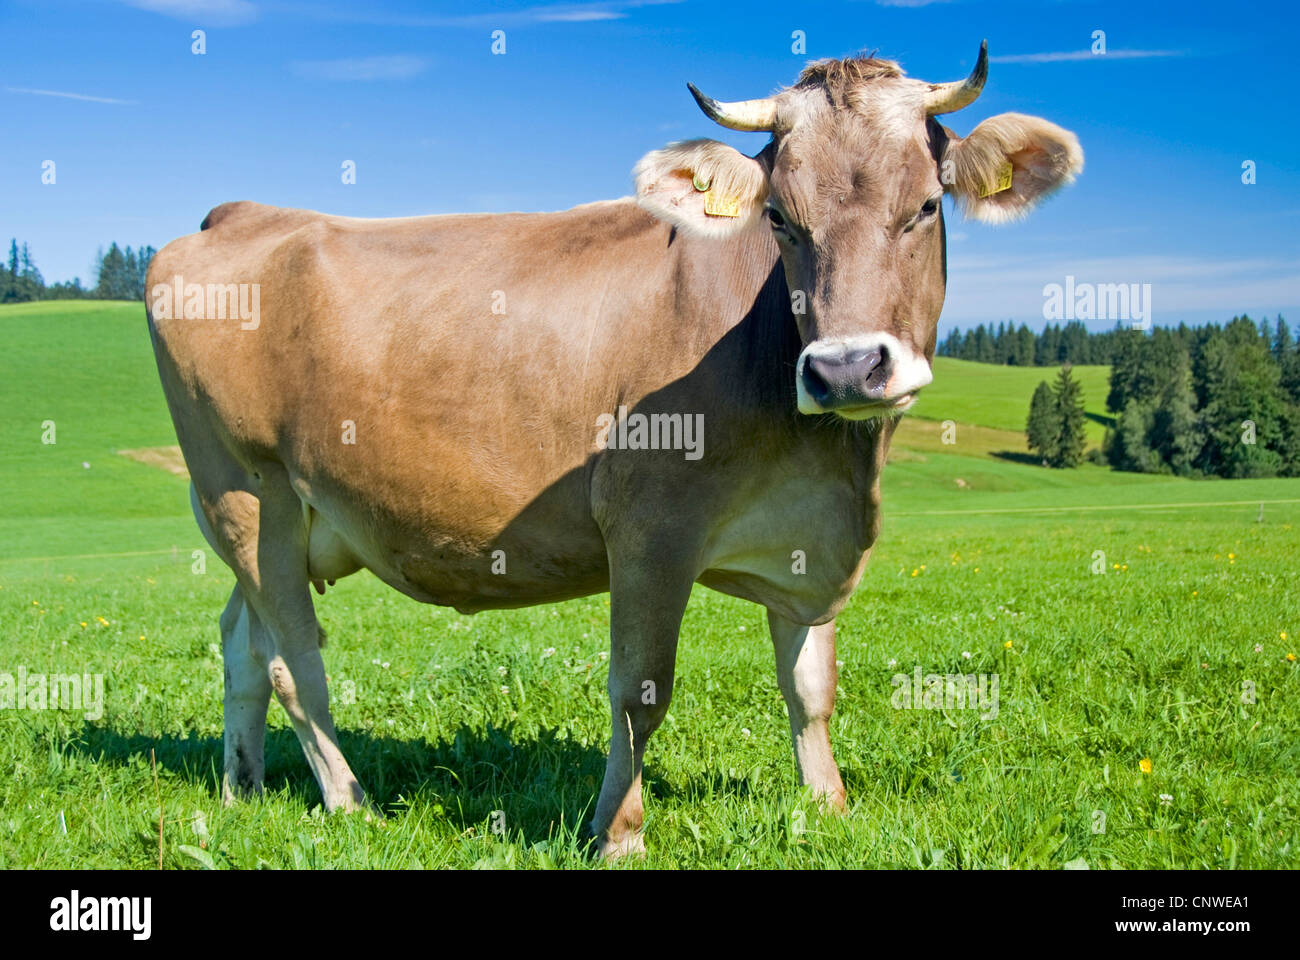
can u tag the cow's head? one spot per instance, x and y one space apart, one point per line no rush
850 186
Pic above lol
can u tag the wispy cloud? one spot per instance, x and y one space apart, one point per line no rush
69 96
559 13
586 12
579 16
1065 55
201 13
391 67
908 3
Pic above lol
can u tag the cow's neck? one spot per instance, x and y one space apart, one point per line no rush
737 299
751 363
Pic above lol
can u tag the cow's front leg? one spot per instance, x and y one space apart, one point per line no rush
645 616
805 671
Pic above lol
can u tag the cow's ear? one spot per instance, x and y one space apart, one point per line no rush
1008 164
702 187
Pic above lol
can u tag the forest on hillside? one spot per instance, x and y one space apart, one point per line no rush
1190 401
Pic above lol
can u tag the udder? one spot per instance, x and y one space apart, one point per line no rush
328 556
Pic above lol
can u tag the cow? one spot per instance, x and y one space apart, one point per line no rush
698 384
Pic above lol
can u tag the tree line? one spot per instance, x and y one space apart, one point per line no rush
1022 347
119 275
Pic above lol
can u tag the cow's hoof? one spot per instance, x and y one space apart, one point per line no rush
350 798
233 795
833 802
629 845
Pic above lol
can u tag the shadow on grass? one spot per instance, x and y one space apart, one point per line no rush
538 779
1014 456
1105 421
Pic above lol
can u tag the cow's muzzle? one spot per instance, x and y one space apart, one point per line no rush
860 377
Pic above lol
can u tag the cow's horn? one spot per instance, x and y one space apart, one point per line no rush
947 97
739 115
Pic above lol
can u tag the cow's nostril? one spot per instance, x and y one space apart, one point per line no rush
814 382
877 373
866 359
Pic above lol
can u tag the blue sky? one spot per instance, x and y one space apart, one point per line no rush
147 136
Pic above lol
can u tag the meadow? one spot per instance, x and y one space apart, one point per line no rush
1143 630
998 396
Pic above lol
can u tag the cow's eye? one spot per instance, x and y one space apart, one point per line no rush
775 218
930 207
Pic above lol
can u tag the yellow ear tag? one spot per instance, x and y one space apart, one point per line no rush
1004 181
716 206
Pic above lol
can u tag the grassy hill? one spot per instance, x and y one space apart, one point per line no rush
990 395
88 367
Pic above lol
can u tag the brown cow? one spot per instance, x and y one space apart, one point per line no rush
635 396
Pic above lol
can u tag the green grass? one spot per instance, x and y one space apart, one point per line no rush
998 396
1102 670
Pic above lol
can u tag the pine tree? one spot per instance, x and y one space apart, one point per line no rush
1288 361
27 269
1175 433
1239 382
1070 420
1026 345
1282 342
1042 427
144 257
114 281
130 271
1129 445
1047 351
1126 366
21 282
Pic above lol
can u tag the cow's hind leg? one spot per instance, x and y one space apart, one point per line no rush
296 670
806 674
248 693
262 533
